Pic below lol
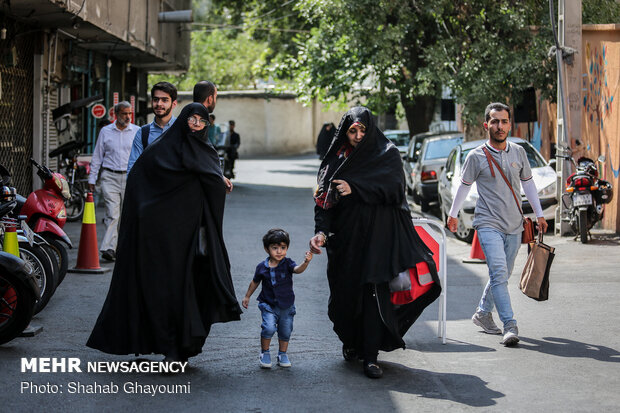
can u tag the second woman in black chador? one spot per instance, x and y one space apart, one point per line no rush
363 220
172 278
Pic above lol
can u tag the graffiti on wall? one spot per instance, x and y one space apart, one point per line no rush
599 89
598 100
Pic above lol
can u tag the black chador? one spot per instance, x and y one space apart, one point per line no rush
168 288
372 237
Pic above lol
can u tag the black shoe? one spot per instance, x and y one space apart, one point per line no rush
349 353
108 255
372 370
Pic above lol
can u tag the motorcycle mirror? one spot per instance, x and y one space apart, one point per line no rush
601 158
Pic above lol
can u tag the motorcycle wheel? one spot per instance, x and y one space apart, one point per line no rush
60 252
17 303
42 269
583 226
75 205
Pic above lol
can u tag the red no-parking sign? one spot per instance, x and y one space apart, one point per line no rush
98 111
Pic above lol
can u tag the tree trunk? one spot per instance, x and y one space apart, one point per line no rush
419 112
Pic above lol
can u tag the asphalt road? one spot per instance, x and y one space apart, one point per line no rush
567 359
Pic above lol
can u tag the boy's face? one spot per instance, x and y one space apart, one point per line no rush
277 252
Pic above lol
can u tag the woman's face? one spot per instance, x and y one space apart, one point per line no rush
355 133
196 123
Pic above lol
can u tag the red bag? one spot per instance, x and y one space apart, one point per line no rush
421 282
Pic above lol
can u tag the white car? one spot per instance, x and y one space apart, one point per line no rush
399 137
450 177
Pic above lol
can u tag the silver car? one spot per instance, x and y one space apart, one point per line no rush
399 137
450 178
425 172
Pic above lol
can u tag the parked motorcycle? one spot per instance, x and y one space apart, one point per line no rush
19 291
33 248
18 296
586 196
76 172
46 214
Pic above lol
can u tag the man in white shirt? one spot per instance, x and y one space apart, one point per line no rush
111 156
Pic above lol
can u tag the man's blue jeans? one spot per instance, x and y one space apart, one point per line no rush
500 251
276 319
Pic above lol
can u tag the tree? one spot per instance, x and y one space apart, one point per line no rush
232 63
491 50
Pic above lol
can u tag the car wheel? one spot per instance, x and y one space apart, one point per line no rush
424 205
462 232
415 197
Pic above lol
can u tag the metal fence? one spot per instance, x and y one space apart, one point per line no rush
16 117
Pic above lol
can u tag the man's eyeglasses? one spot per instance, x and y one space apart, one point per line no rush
194 121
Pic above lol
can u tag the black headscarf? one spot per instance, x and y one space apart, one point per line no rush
164 296
373 168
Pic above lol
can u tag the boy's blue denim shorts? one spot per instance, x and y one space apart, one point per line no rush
276 319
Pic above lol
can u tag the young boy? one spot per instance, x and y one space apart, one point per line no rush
277 299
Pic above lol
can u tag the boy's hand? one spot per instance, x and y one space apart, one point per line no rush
245 302
308 256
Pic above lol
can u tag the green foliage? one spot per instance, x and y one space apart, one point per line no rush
232 63
600 11
386 53
487 51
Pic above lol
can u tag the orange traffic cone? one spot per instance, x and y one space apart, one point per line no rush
476 255
10 244
88 253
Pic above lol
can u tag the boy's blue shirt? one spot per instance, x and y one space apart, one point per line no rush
276 290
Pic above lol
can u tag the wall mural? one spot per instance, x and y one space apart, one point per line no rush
598 96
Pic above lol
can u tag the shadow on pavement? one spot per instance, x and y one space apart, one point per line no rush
563 347
462 388
451 346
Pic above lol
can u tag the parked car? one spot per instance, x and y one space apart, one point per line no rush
450 177
431 159
399 137
411 156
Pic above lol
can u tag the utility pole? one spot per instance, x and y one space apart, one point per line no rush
569 97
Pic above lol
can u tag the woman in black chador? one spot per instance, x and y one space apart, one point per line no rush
363 220
172 276
325 139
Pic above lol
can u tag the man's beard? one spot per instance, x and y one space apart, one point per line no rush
166 113
497 139
121 122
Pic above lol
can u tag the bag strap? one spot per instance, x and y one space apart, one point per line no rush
492 161
145 131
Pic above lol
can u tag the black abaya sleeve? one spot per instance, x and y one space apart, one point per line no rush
322 219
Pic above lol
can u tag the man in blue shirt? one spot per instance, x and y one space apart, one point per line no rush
214 130
163 100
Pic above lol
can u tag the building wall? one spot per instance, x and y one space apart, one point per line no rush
600 124
269 125
136 23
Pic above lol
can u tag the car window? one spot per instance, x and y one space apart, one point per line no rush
416 147
464 154
534 158
398 139
450 163
441 148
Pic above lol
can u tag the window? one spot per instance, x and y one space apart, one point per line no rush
441 148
